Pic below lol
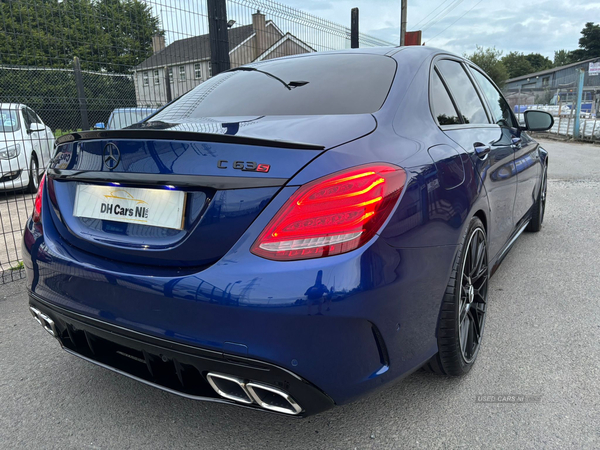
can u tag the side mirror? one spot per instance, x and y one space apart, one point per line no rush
99 126
36 127
538 120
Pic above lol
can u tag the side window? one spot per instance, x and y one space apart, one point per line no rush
464 93
441 104
26 119
500 109
33 116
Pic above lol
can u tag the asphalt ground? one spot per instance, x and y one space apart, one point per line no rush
541 345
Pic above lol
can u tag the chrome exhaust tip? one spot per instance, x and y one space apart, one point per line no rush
273 399
229 387
46 322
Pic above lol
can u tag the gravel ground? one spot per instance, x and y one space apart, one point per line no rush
542 340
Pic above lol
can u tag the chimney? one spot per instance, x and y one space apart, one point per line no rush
259 26
158 43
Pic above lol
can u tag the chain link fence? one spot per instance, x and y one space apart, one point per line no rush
73 65
557 94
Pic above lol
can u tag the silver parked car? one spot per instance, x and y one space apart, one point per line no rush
26 145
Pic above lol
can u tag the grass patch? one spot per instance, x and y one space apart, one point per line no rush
58 133
19 266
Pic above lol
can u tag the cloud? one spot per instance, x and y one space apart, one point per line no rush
511 25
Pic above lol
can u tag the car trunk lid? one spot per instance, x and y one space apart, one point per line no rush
214 186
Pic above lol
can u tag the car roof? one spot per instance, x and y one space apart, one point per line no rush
11 105
413 52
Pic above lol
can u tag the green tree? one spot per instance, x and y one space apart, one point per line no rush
538 62
489 59
107 35
517 64
561 58
589 43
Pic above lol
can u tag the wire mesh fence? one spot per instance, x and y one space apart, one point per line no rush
557 92
73 65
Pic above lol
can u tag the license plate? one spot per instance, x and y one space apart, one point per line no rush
153 207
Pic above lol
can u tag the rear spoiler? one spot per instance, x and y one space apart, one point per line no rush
153 134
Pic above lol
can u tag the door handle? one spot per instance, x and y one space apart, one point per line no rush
481 150
516 142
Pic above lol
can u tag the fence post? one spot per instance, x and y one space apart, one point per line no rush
85 125
354 28
168 84
219 37
559 125
578 111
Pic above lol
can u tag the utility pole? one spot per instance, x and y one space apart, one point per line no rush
218 36
402 21
81 94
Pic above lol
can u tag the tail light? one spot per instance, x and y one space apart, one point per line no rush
332 215
37 204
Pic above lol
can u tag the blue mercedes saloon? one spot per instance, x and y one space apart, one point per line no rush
292 234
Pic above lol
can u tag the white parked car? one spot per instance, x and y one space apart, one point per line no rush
26 146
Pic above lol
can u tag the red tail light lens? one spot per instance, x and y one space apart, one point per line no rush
37 205
332 215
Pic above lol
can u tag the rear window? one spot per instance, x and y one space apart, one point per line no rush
122 119
313 85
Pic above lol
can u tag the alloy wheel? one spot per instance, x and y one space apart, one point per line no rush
473 295
543 194
35 173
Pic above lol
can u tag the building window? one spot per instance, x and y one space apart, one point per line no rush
546 82
181 73
197 71
156 78
146 81
209 69
170 74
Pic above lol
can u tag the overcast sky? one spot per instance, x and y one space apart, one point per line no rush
459 25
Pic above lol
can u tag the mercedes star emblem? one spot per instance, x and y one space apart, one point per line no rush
111 156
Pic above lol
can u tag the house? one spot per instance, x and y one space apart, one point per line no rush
187 61
550 85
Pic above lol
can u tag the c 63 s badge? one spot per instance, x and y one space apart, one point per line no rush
245 166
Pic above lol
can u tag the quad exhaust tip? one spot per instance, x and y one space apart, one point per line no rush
265 396
229 387
44 321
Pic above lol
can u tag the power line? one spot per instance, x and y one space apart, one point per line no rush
430 13
439 16
468 11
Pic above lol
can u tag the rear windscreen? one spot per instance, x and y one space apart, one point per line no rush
313 85
122 119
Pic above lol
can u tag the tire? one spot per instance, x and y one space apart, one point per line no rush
539 208
34 175
463 311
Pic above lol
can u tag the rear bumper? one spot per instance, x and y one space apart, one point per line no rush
173 367
348 324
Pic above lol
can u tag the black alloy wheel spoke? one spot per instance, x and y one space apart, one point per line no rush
463 312
481 275
464 334
476 268
476 324
473 258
